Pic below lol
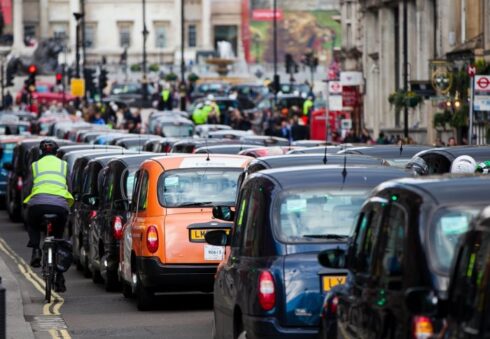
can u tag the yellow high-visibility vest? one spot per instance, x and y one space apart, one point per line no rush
165 95
49 177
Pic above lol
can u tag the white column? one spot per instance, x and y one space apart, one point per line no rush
44 19
386 63
177 30
74 8
18 23
206 24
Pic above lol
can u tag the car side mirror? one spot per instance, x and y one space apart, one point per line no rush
122 204
90 200
421 301
217 238
8 166
333 258
223 213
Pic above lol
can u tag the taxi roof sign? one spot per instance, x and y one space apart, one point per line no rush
77 87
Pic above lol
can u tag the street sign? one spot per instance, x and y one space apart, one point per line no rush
334 87
77 87
351 78
481 103
482 83
335 102
471 70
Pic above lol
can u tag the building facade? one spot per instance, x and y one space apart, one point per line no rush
115 25
452 31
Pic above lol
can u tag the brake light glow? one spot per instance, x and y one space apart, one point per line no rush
422 327
20 183
152 239
333 305
267 291
117 228
93 214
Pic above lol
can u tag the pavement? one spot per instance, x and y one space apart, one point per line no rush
17 326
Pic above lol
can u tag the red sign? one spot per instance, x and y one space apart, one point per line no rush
471 70
266 14
246 29
483 83
6 10
350 96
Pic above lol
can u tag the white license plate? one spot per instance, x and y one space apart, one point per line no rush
213 252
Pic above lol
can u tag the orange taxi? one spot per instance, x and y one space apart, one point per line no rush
163 247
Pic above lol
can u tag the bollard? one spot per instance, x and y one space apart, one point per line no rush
3 313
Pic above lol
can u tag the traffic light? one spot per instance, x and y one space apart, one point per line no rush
103 79
59 78
90 84
10 74
289 63
31 80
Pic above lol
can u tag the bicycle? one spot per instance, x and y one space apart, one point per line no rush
49 256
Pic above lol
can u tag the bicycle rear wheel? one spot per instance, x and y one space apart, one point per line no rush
49 276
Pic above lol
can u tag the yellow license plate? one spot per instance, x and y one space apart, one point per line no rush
330 281
197 235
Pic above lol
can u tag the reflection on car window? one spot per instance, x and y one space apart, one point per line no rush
216 186
177 131
129 185
448 224
309 215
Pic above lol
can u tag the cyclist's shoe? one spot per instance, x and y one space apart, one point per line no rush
59 284
36 257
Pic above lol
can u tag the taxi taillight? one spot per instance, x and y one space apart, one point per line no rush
93 214
267 291
20 183
117 228
152 239
422 327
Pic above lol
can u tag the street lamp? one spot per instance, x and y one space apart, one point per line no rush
276 76
182 87
405 65
78 17
145 35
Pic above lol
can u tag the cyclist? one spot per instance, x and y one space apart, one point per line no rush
49 195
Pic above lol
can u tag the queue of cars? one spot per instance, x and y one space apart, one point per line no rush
301 240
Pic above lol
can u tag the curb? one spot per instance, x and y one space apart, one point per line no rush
17 326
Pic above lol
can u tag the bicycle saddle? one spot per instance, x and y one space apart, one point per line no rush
50 217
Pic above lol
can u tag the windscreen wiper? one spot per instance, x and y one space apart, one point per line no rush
326 236
195 204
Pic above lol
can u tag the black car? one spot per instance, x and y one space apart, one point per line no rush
439 160
223 149
135 143
396 155
17 176
71 148
271 285
468 304
163 145
81 211
331 149
113 201
404 243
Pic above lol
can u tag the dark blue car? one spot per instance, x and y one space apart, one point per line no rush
271 284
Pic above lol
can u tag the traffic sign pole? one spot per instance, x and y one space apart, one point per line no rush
472 93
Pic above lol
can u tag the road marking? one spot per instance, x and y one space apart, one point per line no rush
51 309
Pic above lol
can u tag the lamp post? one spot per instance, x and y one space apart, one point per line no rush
405 66
276 76
182 87
77 16
145 35
82 31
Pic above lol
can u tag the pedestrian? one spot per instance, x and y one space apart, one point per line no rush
451 141
199 116
308 107
97 119
381 139
366 137
285 131
351 137
8 100
298 130
439 142
238 122
166 99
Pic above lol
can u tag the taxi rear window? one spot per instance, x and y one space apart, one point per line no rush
198 187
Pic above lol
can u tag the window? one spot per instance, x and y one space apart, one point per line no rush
391 253
141 189
90 30
241 218
59 31
254 224
160 35
365 237
125 34
227 33
29 32
192 36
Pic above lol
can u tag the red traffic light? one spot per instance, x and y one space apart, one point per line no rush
59 76
32 69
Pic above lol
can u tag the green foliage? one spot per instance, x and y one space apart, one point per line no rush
135 68
171 77
400 100
154 68
193 77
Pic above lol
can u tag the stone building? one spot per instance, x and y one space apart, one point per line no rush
111 26
437 30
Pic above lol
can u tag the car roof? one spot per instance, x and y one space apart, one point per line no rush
219 148
104 160
479 153
331 175
388 151
182 160
446 189
292 160
133 160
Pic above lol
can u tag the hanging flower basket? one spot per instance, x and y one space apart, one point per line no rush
400 100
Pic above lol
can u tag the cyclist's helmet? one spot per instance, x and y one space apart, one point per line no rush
418 166
483 167
48 147
463 164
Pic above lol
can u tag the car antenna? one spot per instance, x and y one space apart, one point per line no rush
325 156
207 149
344 170
401 146
139 143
